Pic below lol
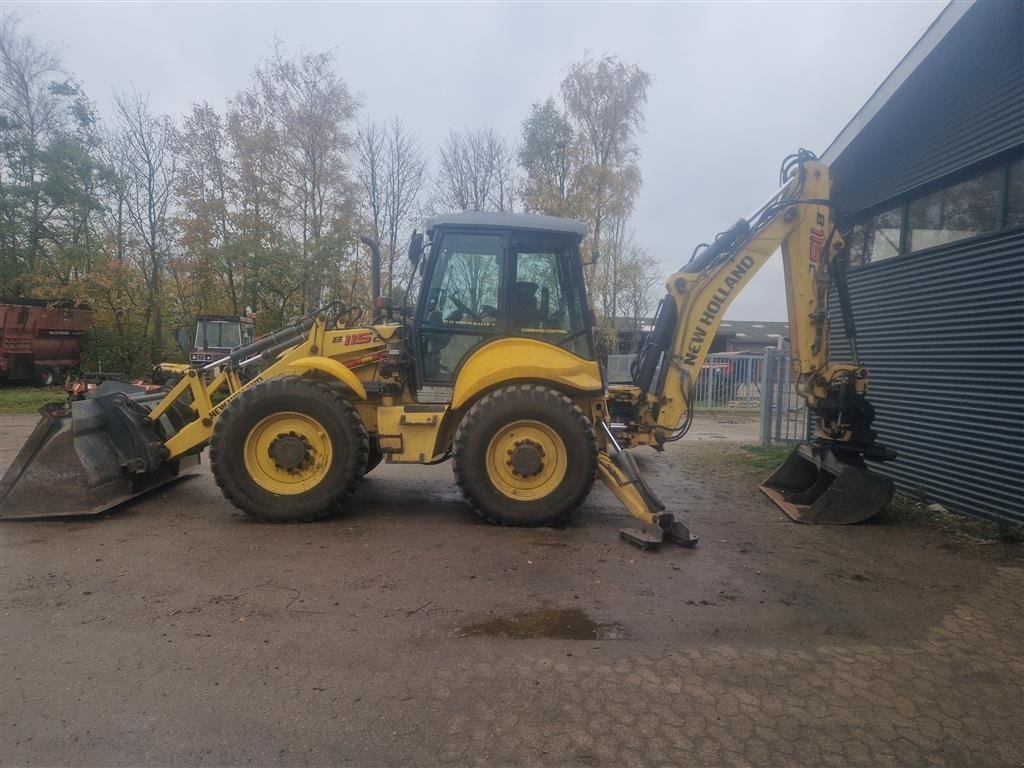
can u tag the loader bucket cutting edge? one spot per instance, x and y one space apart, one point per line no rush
818 485
69 466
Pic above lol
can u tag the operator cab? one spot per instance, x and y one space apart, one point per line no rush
216 335
497 275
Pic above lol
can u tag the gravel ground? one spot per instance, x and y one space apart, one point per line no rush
176 632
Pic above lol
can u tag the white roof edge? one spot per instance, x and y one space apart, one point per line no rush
932 36
508 221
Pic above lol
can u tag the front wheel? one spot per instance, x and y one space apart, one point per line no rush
288 450
374 456
525 455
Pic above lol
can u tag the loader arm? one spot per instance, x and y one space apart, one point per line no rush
121 440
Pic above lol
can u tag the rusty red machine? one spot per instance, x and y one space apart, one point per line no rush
40 341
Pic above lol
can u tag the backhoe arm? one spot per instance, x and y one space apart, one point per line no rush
798 218
823 481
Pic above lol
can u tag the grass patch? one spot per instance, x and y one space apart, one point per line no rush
763 459
745 413
905 510
28 399
754 462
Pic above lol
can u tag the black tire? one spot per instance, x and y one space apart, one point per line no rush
373 456
47 376
496 411
318 401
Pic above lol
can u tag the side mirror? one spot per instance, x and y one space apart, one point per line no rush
181 338
594 256
415 247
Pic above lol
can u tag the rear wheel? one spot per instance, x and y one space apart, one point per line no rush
288 450
525 455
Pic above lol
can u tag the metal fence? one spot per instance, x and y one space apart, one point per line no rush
730 381
784 414
762 383
617 369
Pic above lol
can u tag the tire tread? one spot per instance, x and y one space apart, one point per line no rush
285 385
481 413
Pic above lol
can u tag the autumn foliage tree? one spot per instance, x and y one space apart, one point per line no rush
256 206
581 160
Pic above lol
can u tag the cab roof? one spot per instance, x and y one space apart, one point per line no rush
224 318
509 221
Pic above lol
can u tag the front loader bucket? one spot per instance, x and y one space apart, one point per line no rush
818 484
88 456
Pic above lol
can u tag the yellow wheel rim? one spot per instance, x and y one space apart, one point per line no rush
288 453
526 460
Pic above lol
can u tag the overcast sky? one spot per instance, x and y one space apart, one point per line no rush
736 85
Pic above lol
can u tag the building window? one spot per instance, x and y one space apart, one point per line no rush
876 239
1015 194
958 211
882 235
982 203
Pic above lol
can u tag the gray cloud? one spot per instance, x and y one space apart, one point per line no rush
736 86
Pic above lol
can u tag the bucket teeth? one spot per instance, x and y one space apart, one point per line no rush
79 461
818 484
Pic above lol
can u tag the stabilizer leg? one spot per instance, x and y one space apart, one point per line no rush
622 476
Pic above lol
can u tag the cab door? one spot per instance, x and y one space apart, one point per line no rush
547 298
461 305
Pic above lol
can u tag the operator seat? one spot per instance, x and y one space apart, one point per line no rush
525 312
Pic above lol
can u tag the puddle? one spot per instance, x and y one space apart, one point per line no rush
554 623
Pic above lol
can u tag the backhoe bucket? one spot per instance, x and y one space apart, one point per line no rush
87 456
818 484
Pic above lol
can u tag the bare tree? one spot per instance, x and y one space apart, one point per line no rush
605 99
47 176
639 279
476 172
205 187
391 172
311 107
371 151
406 173
144 143
625 279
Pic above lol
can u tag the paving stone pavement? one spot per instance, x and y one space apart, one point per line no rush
176 632
826 705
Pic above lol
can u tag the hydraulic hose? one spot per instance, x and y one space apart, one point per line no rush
287 335
723 243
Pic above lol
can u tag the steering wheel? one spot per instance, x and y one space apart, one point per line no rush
463 308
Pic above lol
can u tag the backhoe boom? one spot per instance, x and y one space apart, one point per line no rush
798 219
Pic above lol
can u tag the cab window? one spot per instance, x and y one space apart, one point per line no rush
546 297
217 334
462 302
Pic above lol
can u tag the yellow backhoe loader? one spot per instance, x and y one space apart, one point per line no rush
496 369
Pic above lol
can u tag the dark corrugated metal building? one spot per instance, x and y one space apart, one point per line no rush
931 171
